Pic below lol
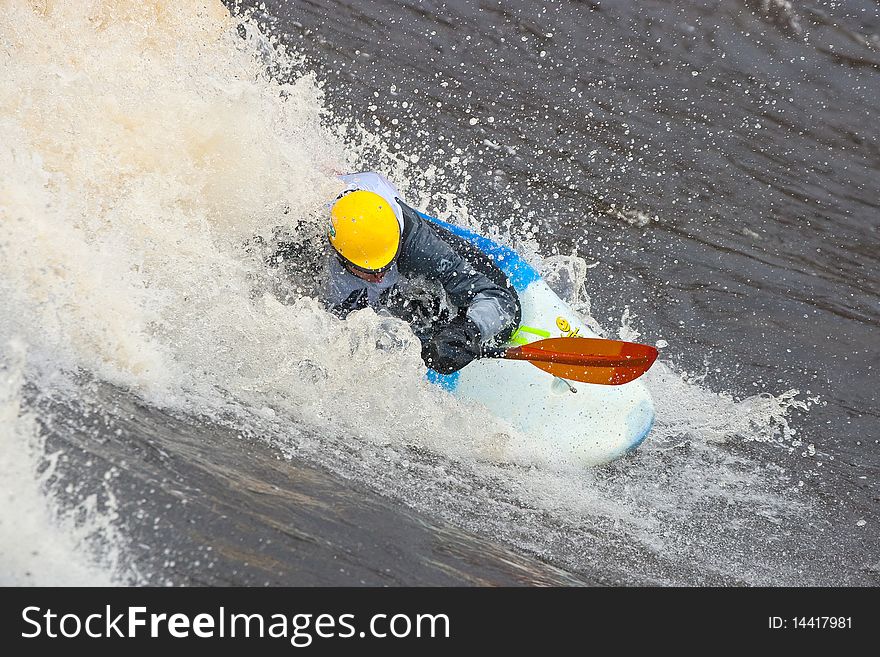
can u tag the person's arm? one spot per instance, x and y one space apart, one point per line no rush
491 307
486 310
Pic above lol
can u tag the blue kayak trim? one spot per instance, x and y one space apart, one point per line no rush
636 424
446 381
638 441
520 273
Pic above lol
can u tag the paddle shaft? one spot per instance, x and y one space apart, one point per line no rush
583 360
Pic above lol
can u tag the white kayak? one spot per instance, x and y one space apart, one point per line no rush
590 423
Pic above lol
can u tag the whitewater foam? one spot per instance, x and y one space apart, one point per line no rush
48 537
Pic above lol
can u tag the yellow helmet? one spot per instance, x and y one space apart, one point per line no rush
364 231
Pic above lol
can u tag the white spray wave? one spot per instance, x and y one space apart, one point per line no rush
44 540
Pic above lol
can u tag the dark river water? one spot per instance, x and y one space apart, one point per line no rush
716 168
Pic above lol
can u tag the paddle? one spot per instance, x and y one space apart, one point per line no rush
590 360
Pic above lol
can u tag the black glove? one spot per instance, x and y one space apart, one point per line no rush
453 346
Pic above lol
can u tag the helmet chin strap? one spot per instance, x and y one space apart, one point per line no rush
370 277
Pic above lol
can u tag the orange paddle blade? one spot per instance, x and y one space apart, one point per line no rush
590 360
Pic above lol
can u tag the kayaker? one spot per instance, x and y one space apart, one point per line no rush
386 256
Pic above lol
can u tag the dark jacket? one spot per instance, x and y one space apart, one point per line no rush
473 284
